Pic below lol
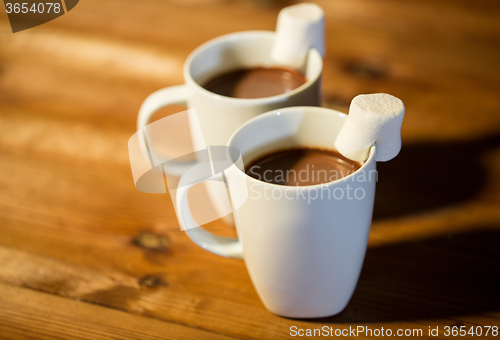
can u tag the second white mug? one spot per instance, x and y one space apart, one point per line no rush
219 116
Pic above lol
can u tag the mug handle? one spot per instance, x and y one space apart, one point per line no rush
173 95
219 245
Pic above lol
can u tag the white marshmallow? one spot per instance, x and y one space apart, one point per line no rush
373 118
299 28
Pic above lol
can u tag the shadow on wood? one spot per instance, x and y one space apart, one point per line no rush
453 275
432 175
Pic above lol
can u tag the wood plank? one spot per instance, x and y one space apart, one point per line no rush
25 314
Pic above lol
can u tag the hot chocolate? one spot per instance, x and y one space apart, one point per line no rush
301 166
255 82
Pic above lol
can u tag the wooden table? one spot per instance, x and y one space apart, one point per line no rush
84 255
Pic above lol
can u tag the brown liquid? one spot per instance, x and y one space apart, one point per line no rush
301 166
256 82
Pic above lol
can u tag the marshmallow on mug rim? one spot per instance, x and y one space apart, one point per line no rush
299 28
373 118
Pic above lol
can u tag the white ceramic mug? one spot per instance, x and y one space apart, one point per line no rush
303 246
220 116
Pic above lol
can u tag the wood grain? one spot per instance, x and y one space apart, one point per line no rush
83 254
29 312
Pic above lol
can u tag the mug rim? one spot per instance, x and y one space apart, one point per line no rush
251 101
289 111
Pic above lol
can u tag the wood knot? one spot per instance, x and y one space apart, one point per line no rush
152 281
152 241
364 69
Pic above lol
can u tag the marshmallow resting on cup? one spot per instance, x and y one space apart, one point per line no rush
299 28
373 118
